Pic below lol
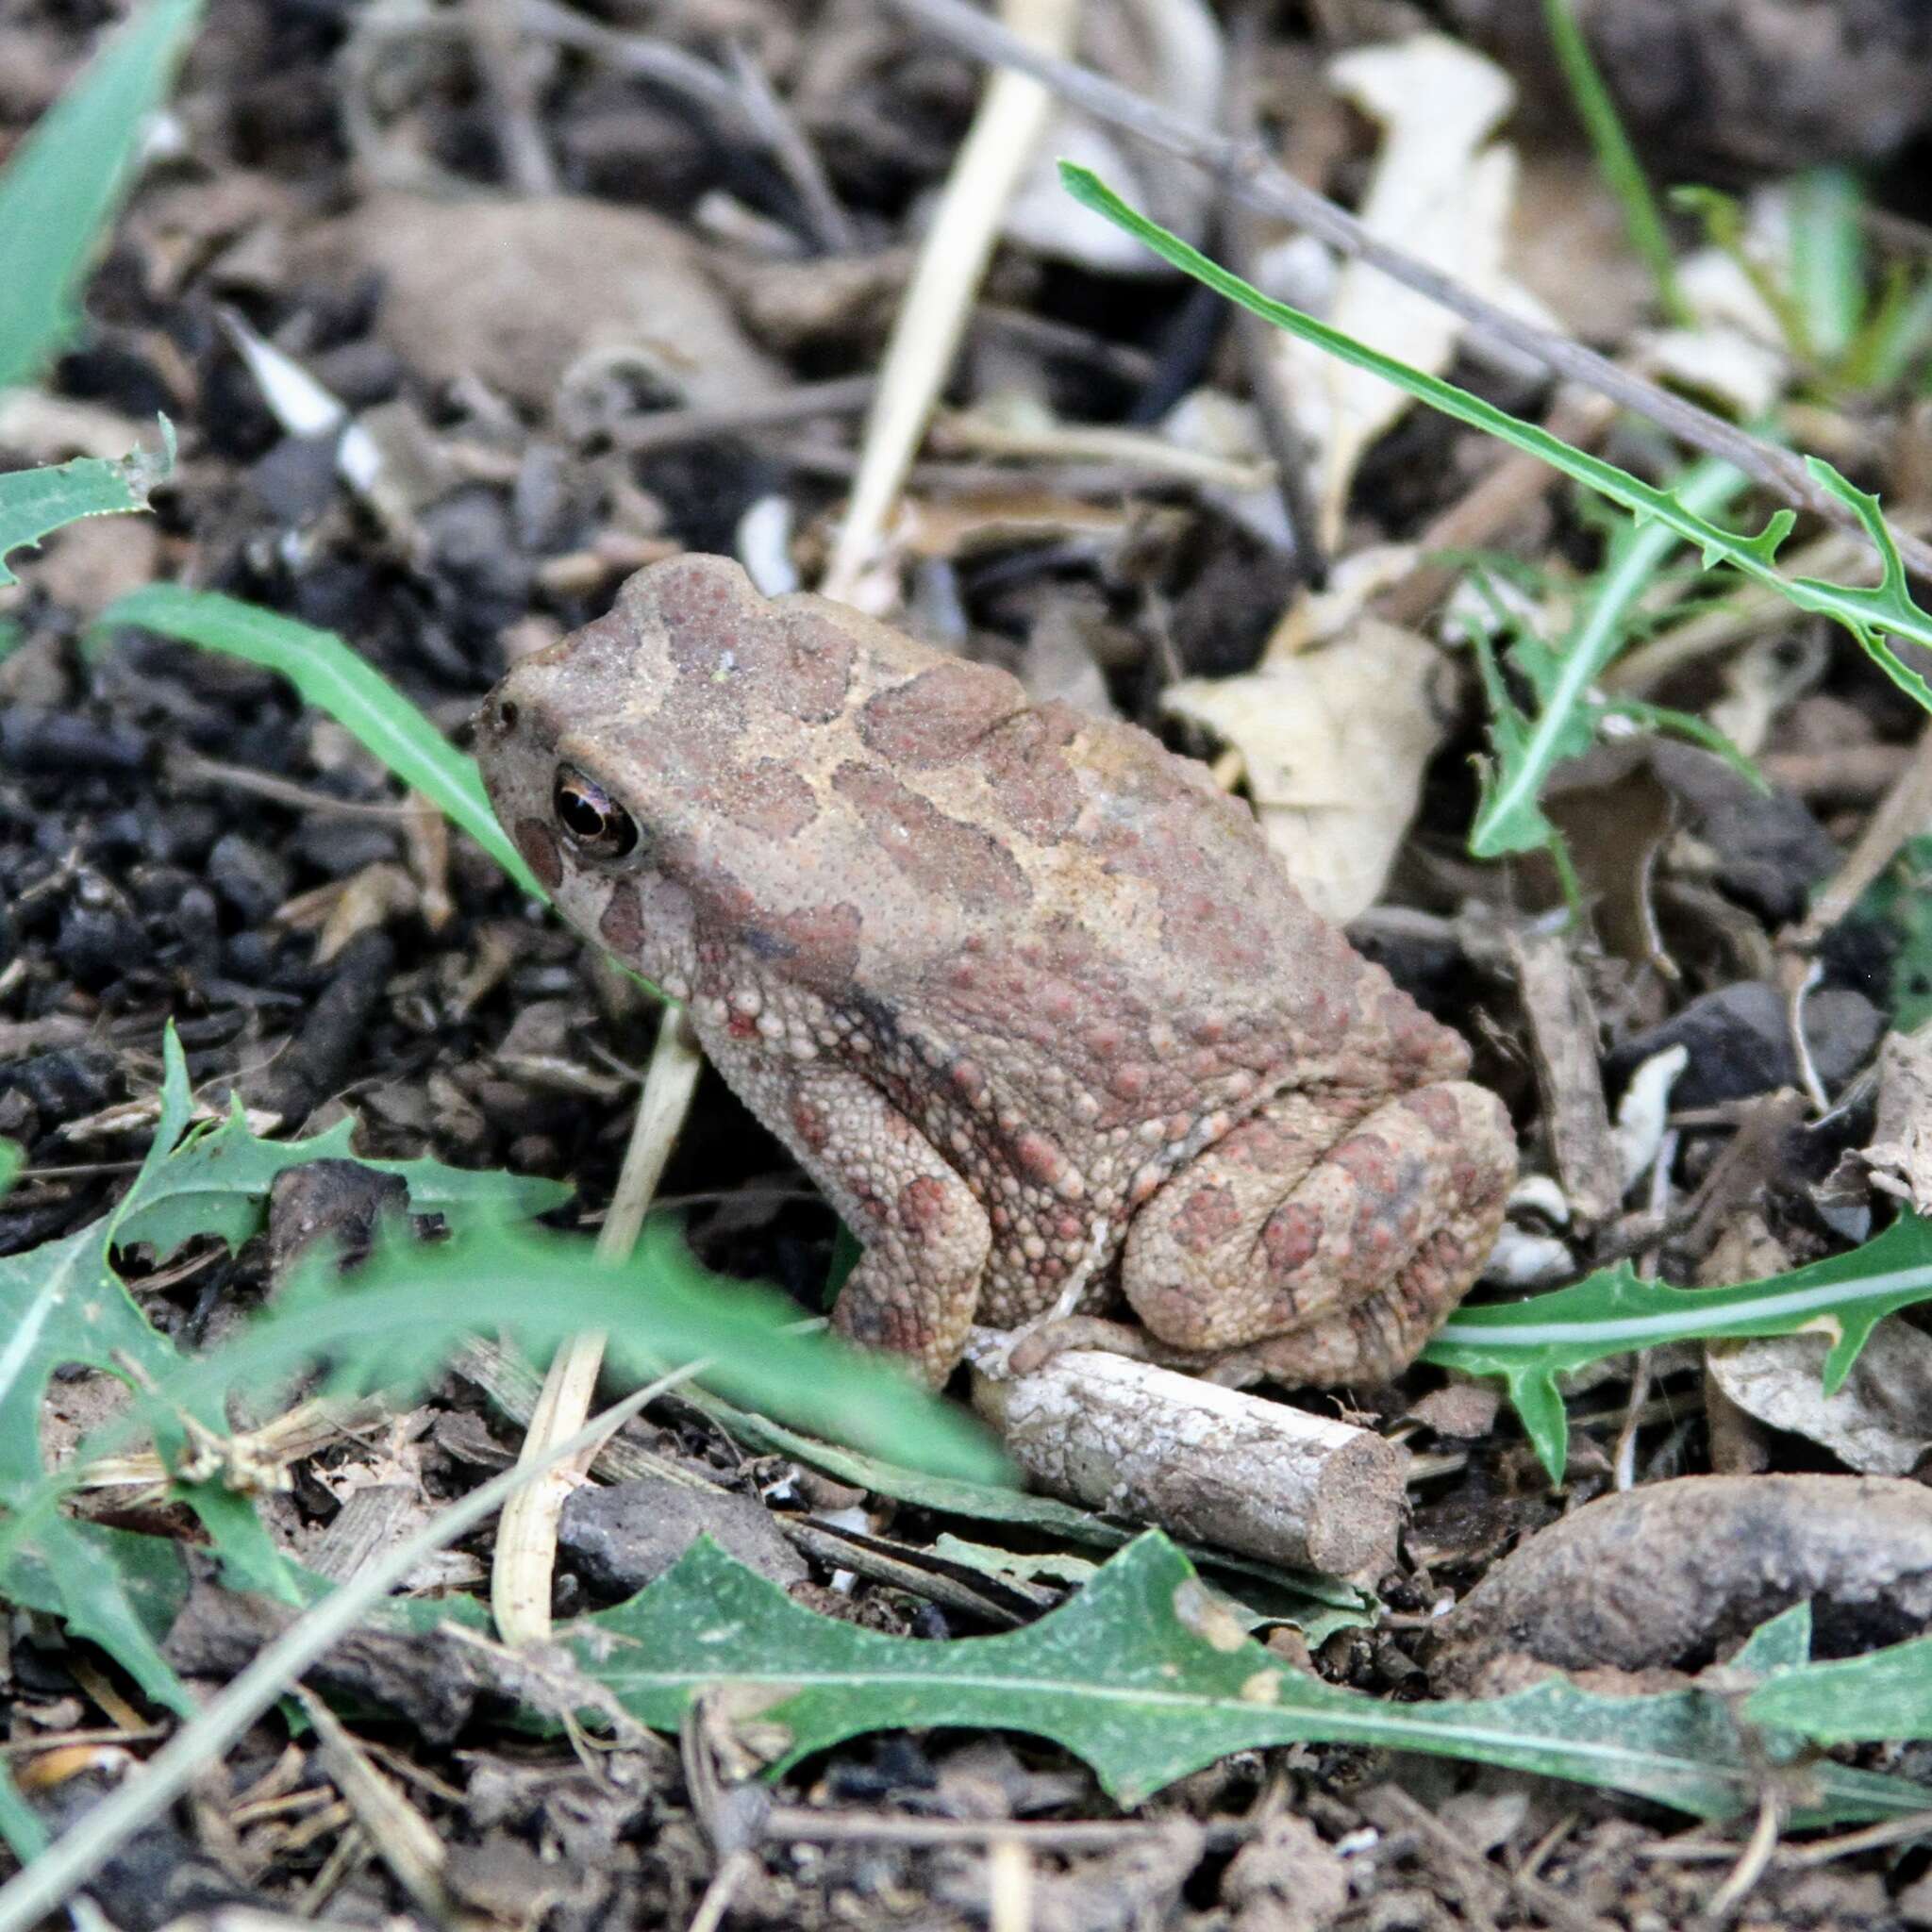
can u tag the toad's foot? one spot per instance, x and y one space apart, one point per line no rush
1324 1259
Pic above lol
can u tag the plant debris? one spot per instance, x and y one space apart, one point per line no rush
350 356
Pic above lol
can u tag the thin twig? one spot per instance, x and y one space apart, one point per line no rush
1752 1866
839 395
1902 814
1869 1838
1257 182
743 100
1280 436
830 224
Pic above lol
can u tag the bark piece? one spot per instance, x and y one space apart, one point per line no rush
1563 1033
1212 1464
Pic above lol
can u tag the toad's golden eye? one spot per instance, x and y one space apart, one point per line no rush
593 820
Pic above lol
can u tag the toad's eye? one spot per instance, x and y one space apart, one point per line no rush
593 820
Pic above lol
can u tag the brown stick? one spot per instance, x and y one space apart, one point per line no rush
1205 1462
1256 181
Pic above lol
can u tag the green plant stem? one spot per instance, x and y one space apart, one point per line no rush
1637 556
1622 170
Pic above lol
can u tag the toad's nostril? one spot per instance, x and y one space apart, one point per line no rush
507 715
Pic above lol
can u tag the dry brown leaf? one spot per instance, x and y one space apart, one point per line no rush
1570 248
521 293
1900 1155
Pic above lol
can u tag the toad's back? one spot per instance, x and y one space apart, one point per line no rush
831 804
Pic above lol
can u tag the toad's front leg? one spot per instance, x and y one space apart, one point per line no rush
1336 1239
926 1236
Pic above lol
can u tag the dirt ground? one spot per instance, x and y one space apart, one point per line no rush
599 284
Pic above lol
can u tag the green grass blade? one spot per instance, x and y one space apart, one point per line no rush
1827 263
36 503
1894 336
61 186
1869 615
1622 170
1511 819
334 679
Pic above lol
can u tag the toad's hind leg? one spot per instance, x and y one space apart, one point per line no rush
915 1290
1337 1244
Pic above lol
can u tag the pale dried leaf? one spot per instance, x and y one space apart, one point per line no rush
1734 351
1879 1424
1722 361
1334 742
1168 51
1442 192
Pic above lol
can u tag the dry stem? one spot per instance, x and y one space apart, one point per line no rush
527 1532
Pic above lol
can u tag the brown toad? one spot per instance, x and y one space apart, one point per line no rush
1030 999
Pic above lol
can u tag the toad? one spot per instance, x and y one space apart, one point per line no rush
1026 996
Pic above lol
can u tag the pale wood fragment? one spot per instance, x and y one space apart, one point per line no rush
1210 1464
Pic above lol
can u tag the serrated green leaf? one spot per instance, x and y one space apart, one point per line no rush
1509 819
60 188
64 1303
1146 1679
1662 718
1884 1695
1783 1643
1870 616
36 503
334 679
154 1581
218 1182
1529 1343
